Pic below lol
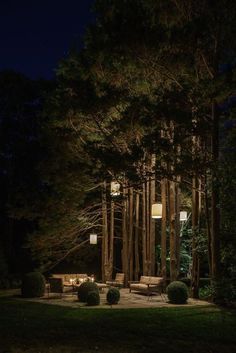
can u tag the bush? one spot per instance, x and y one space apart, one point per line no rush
177 292
113 296
206 293
93 298
33 285
85 288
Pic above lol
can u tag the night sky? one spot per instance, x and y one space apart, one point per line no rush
35 35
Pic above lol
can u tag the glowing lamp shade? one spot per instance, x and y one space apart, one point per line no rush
157 210
183 216
93 239
115 188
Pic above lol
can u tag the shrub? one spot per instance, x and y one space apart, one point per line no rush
177 292
113 296
93 298
33 285
206 293
85 288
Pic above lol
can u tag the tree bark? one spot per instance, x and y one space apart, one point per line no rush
124 238
136 244
105 249
163 228
215 210
144 233
152 243
130 237
173 258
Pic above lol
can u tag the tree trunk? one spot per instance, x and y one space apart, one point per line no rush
130 237
105 249
136 244
163 228
173 258
195 227
144 233
208 227
111 242
152 243
215 210
177 225
124 238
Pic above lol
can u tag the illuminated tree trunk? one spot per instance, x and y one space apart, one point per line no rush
130 235
177 225
144 233
215 210
105 249
172 215
136 234
163 228
124 237
152 242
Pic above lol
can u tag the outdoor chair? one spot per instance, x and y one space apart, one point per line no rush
118 281
55 286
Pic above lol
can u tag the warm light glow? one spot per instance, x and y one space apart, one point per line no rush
183 216
115 188
93 238
157 210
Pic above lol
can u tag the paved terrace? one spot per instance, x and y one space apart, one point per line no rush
127 300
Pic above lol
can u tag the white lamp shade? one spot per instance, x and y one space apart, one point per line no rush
183 216
93 239
115 188
157 210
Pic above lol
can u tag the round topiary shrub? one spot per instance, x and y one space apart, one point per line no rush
33 285
177 292
85 288
93 298
113 296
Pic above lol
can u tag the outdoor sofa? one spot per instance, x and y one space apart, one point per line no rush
148 285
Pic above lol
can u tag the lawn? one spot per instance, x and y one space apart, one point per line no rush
33 327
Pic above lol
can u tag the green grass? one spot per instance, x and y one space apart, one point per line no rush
33 327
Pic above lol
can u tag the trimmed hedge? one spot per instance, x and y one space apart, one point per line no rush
177 292
113 296
85 288
33 285
93 298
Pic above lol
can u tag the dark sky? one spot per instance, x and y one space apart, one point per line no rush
35 35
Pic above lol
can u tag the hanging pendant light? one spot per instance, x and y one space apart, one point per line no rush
157 210
183 216
93 238
115 188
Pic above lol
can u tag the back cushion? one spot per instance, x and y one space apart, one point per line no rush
145 279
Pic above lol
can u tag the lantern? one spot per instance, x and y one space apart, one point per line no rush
183 216
157 210
115 188
93 239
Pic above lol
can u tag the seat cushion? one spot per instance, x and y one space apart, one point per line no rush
139 286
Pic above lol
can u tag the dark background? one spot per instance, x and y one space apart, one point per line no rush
35 35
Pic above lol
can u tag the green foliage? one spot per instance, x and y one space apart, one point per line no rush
224 290
113 296
33 285
177 292
84 290
93 298
206 293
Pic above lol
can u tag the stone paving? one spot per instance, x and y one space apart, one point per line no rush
127 300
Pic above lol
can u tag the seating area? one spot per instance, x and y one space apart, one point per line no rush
148 285
118 281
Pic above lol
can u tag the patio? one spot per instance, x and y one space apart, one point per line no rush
127 301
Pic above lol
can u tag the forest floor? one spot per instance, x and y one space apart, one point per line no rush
33 327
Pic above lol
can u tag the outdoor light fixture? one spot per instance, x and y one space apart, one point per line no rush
115 188
183 216
93 239
157 210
